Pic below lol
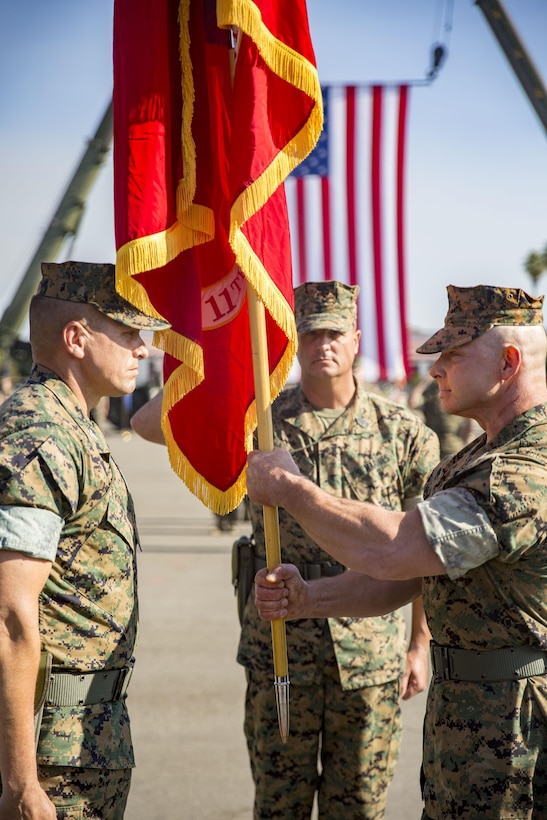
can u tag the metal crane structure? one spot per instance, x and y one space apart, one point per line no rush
503 29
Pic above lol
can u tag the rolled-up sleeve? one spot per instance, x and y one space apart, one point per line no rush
458 530
30 530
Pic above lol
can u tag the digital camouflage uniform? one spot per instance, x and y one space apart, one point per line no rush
485 516
344 672
485 743
52 457
63 499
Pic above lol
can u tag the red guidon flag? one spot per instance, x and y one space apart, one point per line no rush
204 135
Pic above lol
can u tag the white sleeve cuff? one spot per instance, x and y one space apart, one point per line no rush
30 530
458 530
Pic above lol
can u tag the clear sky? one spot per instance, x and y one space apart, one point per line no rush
477 152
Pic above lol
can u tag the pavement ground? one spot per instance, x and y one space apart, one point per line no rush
187 692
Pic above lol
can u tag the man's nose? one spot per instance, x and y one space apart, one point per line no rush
435 371
142 351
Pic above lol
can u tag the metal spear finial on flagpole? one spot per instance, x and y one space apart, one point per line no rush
257 322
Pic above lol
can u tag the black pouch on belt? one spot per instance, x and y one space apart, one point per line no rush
245 565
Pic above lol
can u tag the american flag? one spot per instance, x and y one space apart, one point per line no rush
346 216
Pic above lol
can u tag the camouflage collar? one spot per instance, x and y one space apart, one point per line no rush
64 395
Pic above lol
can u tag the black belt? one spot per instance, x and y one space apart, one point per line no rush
84 688
309 572
508 663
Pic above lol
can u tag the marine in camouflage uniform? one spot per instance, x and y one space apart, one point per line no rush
63 500
345 673
486 517
478 540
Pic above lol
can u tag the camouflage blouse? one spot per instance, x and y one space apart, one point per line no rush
484 740
52 457
502 602
375 451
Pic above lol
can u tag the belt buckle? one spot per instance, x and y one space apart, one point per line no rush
441 661
124 676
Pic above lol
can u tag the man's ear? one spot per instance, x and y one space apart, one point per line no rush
512 358
75 335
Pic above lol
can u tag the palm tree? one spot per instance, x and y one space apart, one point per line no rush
535 264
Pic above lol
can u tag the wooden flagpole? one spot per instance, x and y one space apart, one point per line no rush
261 374
259 344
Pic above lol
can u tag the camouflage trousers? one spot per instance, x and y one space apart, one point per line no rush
485 750
86 794
343 745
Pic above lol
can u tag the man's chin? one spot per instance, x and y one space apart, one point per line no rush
326 368
118 392
444 401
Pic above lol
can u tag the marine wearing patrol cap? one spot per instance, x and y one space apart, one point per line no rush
325 306
472 311
94 284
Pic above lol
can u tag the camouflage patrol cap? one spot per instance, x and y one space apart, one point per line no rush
473 311
94 284
325 305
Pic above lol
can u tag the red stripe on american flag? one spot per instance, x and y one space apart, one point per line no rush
327 248
376 156
350 185
301 220
401 267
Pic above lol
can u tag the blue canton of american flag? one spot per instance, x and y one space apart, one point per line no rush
317 162
346 216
